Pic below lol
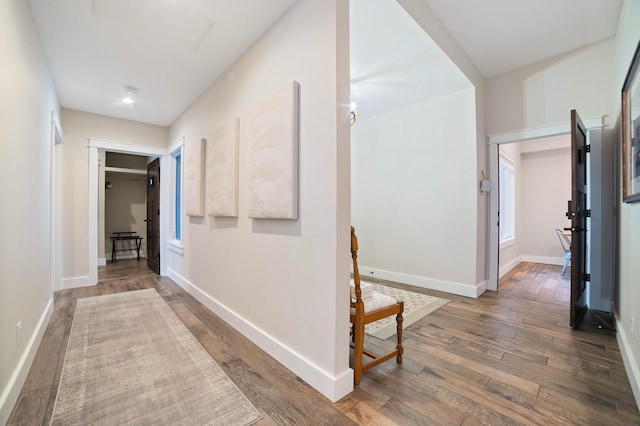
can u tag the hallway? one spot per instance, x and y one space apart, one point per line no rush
508 357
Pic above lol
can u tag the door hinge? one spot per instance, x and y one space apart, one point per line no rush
158 212
588 148
587 277
587 212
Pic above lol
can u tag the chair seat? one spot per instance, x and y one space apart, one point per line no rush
375 302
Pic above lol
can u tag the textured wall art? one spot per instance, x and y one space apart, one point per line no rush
273 155
194 178
222 170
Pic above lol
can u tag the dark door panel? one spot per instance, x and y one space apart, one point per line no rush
153 216
578 214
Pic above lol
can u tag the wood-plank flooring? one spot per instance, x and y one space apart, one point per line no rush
508 357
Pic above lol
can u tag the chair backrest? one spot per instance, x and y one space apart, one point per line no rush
354 256
565 242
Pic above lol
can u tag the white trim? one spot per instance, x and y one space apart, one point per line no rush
92 230
165 209
332 387
628 359
174 149
509 266
507 242
55 249
468 290
92 233
127 148
543 131
176 246
493 231
75 282
177 144
543 259
12 390
559 261
102 261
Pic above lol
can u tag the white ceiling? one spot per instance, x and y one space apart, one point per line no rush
393 61
502 35
172 50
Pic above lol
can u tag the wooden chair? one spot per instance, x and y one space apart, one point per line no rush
368 310
565 242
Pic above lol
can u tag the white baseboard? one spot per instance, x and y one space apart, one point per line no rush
542 259
468 290
102 261
528 258
629 361
334 388
11 392
509 266
75 282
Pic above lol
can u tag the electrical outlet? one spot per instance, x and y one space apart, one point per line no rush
18 333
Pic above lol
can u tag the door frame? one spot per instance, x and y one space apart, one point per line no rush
92 233
55 204
493 142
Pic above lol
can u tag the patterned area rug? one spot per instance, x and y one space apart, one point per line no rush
130 360
416 306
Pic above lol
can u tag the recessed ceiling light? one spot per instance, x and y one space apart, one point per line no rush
130 92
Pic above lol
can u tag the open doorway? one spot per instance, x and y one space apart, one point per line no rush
125 207
96 236
600 224
534 186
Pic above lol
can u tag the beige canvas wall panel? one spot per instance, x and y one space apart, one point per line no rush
194 177
273 162
222 170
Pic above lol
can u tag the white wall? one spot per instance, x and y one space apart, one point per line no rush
79 127
545 92
126 210
589 80
427 19
26 286
628 273
283 283
546 187
413 193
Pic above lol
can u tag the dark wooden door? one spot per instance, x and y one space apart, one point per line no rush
153 216
578 214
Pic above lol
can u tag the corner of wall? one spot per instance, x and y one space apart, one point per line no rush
461 289
333 388
629 361
11 392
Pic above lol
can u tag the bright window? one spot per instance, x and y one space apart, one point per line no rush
507 200
178 195
175 194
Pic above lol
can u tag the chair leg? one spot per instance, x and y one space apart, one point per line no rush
567 258
358 351
399 320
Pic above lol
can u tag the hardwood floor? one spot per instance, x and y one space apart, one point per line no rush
508 357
